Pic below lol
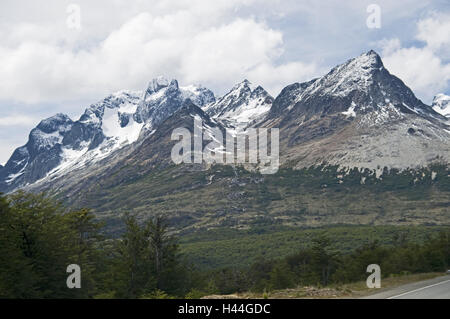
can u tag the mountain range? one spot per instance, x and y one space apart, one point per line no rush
356 116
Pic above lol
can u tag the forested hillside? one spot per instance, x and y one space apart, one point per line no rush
39 238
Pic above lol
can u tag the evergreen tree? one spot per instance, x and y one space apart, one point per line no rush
133 271
323 259
38 240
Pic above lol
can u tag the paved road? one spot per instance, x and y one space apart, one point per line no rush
436 288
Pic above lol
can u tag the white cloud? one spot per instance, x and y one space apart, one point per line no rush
275 78
40 65
17 120
422 68
390 46
435 30
123 44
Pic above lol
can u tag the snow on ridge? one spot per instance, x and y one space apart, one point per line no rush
410 108
12 177
441 104
248 112
356 73
198 94
243 104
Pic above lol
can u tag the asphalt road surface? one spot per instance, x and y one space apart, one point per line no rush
436 288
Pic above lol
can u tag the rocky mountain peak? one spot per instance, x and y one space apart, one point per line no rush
241 106
369 60
125 100
356 87
357 73
162 98
259 91
58 122
242 88
159 83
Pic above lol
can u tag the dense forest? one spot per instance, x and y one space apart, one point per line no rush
39 238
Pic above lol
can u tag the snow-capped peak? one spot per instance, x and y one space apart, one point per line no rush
59 122
359 86
244 85
198 94
124 100
163 97
368 60
357 73
242 105
158 83
441 104
49 132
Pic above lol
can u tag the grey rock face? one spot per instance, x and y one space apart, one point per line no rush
162 98
288 97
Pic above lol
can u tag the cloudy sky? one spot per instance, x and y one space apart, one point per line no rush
51 61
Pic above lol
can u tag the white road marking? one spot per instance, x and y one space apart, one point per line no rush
409 292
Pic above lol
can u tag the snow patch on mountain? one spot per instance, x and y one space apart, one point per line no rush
351 111
13 177
121 131
384 114
114 117
441 104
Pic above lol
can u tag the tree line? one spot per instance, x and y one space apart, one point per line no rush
39 238
321 266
